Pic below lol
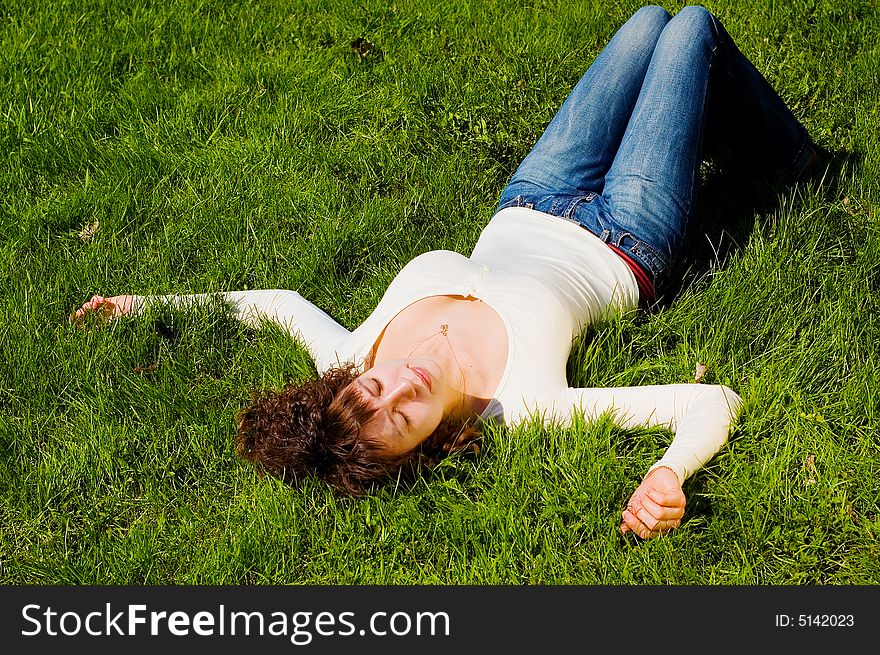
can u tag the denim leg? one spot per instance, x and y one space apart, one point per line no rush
651 185
578 146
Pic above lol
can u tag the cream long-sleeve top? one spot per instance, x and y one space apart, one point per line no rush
548 278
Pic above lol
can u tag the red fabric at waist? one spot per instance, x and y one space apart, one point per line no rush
646 287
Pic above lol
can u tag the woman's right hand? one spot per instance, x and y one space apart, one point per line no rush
656 507
109 308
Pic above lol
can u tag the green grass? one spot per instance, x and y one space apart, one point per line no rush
318 146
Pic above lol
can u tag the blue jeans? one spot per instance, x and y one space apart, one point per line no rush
621 157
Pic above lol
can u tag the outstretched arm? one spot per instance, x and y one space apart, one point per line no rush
314 328
701 417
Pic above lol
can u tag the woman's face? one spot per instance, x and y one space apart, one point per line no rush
411 397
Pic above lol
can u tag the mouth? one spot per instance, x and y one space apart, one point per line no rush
423 375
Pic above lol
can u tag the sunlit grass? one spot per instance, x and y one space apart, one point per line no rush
318 146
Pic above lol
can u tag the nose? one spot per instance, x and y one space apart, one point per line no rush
401 390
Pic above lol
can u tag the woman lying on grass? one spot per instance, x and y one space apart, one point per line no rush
593 221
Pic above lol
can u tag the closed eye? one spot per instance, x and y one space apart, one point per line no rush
379 389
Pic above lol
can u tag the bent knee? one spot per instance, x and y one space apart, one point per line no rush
695 12
694 17
641 32
693 24
654 13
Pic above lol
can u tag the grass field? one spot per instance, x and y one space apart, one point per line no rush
184 147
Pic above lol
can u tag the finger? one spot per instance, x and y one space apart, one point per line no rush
629 521
636 525
648 512
646 518
635 503
660 527
77 319
645 532
670 525
661 512
636 510
664 527
648 526
667 499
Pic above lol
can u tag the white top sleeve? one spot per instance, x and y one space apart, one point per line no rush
700 415
314 328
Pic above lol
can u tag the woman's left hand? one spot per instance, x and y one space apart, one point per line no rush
109 308
656 506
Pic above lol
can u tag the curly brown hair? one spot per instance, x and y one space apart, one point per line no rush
315 429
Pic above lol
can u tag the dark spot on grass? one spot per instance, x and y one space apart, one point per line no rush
361 47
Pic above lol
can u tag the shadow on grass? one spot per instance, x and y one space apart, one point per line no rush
727 204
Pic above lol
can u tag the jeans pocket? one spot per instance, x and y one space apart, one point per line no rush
651 259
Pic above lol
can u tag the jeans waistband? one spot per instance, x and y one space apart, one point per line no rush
591 213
